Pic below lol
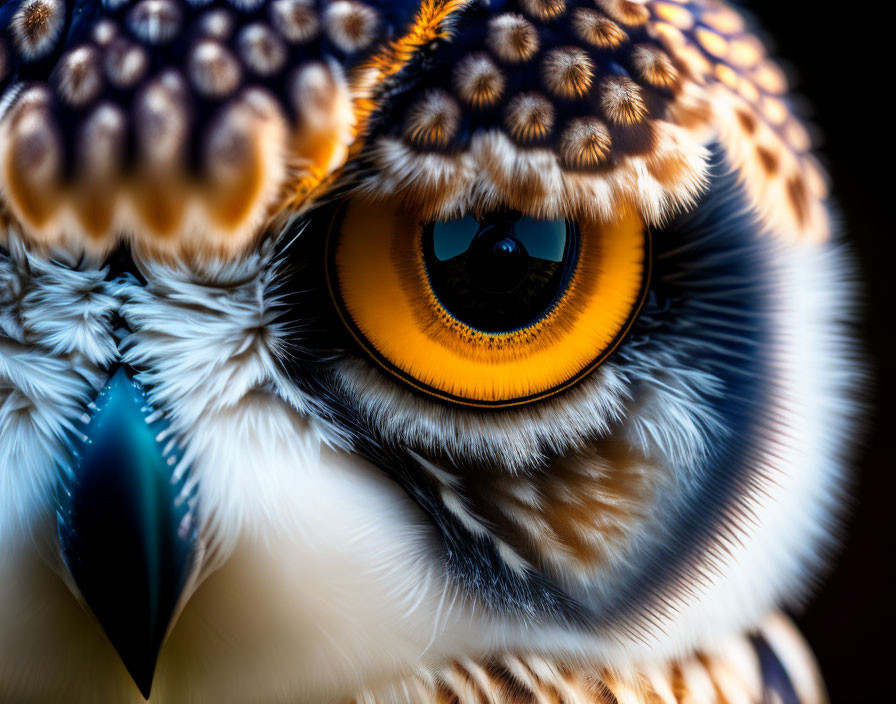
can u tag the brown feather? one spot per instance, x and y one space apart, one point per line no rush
738 671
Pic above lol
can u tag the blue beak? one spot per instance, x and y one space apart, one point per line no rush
127 523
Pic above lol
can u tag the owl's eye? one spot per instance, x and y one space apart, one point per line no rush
495 310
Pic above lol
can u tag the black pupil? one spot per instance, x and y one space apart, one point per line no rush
502 272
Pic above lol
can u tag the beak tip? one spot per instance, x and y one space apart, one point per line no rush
140 666
145 686
145 689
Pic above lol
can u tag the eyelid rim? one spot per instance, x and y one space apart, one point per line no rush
383 363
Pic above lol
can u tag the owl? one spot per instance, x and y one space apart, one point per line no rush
409 352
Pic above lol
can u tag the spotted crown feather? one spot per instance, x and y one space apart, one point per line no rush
190 126
179 125
593 108
555 112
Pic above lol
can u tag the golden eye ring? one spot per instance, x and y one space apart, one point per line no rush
381 278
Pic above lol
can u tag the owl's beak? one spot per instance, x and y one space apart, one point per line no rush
126 525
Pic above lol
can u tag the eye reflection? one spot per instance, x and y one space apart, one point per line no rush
502 272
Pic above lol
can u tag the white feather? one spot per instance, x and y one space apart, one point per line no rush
328 577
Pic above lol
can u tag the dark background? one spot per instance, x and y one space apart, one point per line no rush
837 60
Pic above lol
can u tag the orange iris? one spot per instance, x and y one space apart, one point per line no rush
378 279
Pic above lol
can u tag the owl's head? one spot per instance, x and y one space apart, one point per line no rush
341 336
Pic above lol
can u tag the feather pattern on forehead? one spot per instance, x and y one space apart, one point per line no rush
181 127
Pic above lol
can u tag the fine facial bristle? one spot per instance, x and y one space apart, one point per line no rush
654 66
543 9
597 29
630 13
350 25
622 101
433 121
512 38
296 20
261 49
585 143
214 71
568 71
36 26
478 81
529 116
155 21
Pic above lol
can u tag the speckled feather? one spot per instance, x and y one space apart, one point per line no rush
619 542
191 125
555 111
182 126
772 664
595 107
738 92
